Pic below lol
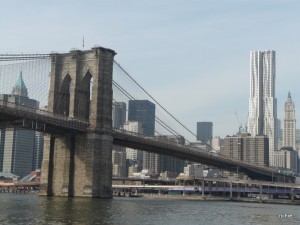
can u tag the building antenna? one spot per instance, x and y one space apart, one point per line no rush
83 42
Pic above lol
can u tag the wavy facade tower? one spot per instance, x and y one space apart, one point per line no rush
262 119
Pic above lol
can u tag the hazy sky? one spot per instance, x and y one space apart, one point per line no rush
192 55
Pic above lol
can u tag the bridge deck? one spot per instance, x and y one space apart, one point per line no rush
12 115
156 145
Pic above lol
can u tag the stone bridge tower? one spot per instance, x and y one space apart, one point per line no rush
80 87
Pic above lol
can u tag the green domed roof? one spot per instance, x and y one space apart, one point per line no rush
20 87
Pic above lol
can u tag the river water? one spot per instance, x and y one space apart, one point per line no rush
32 209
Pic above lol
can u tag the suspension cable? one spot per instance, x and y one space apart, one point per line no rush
129 96
164 109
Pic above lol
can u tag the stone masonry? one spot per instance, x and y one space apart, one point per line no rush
81 164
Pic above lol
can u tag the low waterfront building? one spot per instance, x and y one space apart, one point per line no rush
8 177
131 170
193 170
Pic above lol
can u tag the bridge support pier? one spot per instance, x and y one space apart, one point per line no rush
58 166
80 164
93 166
80 168
46 181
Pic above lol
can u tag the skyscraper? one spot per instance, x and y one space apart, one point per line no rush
119 161
205 132
134 155
286 158
118 114
119 152
289 124
20 150
144 112
262 119
254 150
38 151
170 163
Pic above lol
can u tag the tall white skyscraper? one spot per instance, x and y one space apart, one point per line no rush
262 119
134 154
289 124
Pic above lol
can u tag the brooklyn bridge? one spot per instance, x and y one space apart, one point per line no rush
76 91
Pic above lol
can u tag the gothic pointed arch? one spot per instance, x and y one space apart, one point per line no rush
84 96
63 106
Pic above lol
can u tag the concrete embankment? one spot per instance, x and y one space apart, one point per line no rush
216 198
187 197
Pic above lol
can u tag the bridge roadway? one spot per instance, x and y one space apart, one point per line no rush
188 152
13 115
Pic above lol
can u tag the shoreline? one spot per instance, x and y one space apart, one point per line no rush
216 198
186 197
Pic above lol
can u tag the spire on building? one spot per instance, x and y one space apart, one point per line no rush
20 87
289 124
289 97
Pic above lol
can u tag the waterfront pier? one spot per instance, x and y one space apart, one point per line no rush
212 189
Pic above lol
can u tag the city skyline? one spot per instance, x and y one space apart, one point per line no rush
21 150
185 53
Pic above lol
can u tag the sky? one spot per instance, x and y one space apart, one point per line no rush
192 56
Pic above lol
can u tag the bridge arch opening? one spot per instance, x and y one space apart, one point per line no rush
85 96
63 105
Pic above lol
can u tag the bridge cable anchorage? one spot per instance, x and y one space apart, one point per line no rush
163 108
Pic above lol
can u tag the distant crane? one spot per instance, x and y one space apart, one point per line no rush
239 123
